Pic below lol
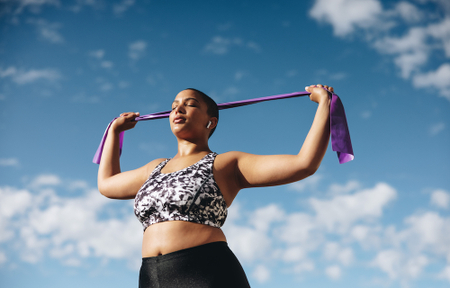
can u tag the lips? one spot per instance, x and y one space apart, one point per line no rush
179 120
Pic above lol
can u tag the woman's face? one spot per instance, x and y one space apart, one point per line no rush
189 116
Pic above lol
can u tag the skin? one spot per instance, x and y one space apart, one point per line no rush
232 171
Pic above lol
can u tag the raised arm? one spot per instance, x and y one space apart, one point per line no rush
261 170
113 183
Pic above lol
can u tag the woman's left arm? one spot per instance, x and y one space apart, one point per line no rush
261 170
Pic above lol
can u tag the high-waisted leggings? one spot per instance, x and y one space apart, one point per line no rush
211 265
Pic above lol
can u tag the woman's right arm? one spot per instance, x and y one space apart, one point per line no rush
113 183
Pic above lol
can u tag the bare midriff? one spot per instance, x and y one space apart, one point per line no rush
170 236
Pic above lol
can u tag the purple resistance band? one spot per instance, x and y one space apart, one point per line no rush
340 135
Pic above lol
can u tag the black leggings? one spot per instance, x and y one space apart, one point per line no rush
211 265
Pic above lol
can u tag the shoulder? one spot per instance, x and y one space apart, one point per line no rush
150 166
229 159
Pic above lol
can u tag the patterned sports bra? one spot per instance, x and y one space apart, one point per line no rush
190 194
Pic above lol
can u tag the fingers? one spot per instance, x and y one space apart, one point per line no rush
129 115
328 88
125 121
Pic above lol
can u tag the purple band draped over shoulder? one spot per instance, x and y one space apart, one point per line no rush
340 135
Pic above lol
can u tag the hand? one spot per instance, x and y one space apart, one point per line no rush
318 94
125 122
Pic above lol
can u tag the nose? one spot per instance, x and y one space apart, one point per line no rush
179 109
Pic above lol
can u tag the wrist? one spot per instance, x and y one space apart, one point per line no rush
114 130
326 100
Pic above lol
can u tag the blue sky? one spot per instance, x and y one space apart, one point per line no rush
68 67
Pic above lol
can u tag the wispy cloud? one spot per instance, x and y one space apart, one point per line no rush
18 6
99 56
221 45
136 50
440 198
48 31
310 183
9 162
120 8
45 180
336 227
48 225
439 79
437 128
410 52
22 77
358 14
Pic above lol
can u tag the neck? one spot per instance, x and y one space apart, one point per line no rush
188 148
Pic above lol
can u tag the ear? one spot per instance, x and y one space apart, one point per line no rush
213 122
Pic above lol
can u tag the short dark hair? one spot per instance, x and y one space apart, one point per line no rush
213 110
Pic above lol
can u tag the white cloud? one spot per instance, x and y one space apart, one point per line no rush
441 199
334 272
336 188
13 201
136 50
389 262
72 229
445 274
263 217
119 9
441 31
439 79
34 75
23 77
427 232
410 52
310 183
3 257
69 229
368 236
408 12
9 162
104 84
437 128
294 254
358 14
221 45
397 265
248 242
333 251
34 6
97 53
107 64
304 266
339 213
300 228
45 180
48 31
261 274
95 4
415 265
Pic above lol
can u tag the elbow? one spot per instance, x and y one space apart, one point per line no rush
311 169
103 190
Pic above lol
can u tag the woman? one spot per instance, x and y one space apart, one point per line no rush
182 202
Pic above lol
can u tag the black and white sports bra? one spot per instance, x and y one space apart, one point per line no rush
190 194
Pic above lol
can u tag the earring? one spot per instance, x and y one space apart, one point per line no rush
209 124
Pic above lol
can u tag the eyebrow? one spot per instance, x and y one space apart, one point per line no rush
187 99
